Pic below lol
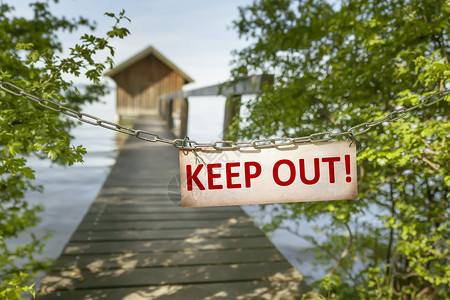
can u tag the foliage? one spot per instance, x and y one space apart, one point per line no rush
338 65
31 57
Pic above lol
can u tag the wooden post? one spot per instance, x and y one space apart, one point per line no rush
162 108
184 112
168 112
232 108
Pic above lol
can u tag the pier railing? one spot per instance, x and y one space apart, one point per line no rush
175 106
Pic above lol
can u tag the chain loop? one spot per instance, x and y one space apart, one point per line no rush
366 128
70 112
139 133
187 144
19 93
86 118
326 136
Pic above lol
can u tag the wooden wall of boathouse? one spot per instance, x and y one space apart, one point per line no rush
142 80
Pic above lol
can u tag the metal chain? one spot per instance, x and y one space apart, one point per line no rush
186 144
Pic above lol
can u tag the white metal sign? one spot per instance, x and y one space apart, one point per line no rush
300 173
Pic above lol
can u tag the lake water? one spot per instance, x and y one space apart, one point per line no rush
69 191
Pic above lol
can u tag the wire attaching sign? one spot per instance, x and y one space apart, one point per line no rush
298 173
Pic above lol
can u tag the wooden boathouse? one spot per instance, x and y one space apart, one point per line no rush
142 79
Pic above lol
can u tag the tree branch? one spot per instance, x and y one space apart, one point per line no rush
431 151
391 231
344 253
430 163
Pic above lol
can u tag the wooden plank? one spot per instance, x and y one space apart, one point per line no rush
183 233
163 225
171 209
154 216
130 191
246 290
137 202
195 243
139 260
250 85
166 275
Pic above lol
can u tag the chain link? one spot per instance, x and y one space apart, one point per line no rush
223 144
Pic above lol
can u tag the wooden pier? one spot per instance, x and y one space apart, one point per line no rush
134 243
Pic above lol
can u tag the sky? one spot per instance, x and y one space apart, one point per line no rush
196 35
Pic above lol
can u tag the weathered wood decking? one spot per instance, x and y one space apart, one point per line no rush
134 243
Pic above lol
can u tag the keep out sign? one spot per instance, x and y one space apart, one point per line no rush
300 173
